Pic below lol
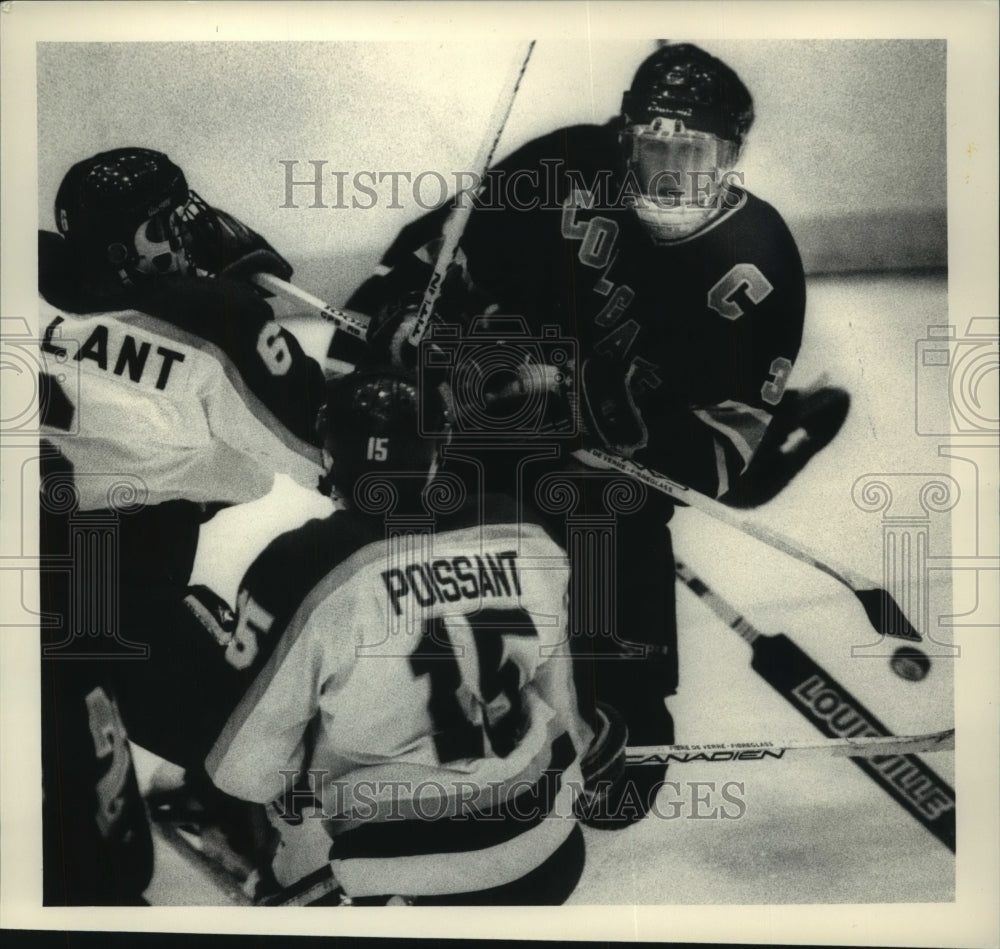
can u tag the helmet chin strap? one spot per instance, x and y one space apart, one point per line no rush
665 225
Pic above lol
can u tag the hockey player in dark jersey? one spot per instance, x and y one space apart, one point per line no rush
410 677
685 296
168 391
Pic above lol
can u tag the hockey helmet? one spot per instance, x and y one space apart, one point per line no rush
122 214
381 422
684 121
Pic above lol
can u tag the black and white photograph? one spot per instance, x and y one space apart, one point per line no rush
481 458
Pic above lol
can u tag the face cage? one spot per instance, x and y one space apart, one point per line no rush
165 244
200 233
680 174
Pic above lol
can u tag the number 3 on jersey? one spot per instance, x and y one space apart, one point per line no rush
772 390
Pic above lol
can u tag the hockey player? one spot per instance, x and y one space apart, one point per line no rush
413 689
684 294
168 391
162 357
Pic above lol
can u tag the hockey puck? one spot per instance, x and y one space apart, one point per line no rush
910 663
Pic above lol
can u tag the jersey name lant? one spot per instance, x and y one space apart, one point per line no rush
126 355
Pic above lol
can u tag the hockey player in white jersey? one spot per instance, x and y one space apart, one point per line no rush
414 724
186 385
168 390
169 385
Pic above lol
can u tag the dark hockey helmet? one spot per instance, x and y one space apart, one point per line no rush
683 123
122 214
682 81
381 422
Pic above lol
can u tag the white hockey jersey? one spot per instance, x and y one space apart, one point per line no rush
195 394
422 688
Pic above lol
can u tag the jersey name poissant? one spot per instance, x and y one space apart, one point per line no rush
447 580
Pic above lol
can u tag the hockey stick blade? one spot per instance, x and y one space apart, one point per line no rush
356 324
869 746
882 611
886 615
838 714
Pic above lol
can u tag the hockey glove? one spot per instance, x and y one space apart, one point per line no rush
609 411
389 334
803 424
603 768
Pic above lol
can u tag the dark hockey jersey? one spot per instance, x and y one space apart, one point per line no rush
703 331
186 390
422 684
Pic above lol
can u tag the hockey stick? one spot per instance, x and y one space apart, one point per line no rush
883 612
319 888
229 879
454 226
839 715
356 324
866 746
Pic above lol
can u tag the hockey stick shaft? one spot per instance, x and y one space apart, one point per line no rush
871 746
821 699
356 324
319 888
454 226
883 612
